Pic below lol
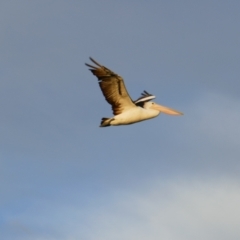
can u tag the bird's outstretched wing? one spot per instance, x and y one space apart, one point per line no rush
113 88
145 97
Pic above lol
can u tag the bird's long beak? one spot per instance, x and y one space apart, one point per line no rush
165 110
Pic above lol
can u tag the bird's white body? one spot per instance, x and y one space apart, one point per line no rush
133 115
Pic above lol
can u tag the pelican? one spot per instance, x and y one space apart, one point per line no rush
125 110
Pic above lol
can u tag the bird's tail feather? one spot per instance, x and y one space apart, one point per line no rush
106 122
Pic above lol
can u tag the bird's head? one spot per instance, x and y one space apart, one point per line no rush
160 108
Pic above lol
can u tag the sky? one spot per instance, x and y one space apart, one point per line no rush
174 178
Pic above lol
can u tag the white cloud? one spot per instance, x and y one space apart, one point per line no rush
177 209
173 210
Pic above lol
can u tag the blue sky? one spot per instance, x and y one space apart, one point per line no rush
62 177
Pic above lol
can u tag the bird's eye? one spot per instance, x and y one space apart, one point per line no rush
152 103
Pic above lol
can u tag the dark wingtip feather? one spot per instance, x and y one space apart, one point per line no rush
94 61
145 93
88 65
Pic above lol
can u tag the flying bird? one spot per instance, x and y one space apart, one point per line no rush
125 110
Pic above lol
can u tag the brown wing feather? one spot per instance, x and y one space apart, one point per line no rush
113 88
